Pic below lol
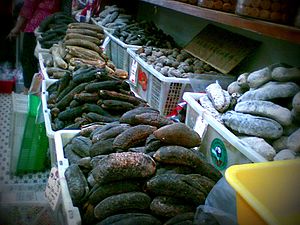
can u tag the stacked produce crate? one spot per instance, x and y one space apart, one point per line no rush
261 110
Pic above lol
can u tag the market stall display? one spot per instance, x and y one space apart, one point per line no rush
146 152
126 162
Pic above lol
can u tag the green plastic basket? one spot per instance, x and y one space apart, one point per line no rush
33 153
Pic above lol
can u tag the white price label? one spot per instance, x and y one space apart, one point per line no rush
53 188
200 126
133 70
105 42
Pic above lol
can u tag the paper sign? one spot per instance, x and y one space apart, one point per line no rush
133 69
105 42
200 126
53 188
220 48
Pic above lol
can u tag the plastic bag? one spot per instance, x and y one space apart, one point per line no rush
179 113
35 86
34 147
220 206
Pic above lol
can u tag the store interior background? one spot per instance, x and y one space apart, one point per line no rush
183 28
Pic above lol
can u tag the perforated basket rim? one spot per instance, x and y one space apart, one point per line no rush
121 43
154 71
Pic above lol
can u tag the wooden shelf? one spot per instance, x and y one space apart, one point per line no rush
277 31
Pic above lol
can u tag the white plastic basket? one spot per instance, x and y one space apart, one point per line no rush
38 49
220 146
43 69
47 117
161 92
65 211
117 51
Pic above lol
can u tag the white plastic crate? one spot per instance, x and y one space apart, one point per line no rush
161 92
116 50
38 49
65 211
18 122
43 69
47 117
220 146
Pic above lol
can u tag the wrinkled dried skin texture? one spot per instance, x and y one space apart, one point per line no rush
285 154
129 116
267 109
280 143
133 137
261 147
116 203
215 93
124 165
296 102
271 90
111 133
177 155
252 125
153 119
293 141
167 206
259 77
105 190
103 129
200 182
242 80
286 74
72 157
102 147
81 145
173 185
207 104
86 131
173 169
178 134
234 87
77 184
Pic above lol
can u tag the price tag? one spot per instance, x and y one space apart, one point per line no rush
53 188
105 42
133 69
200 126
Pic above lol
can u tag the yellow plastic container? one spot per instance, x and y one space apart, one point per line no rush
267 193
